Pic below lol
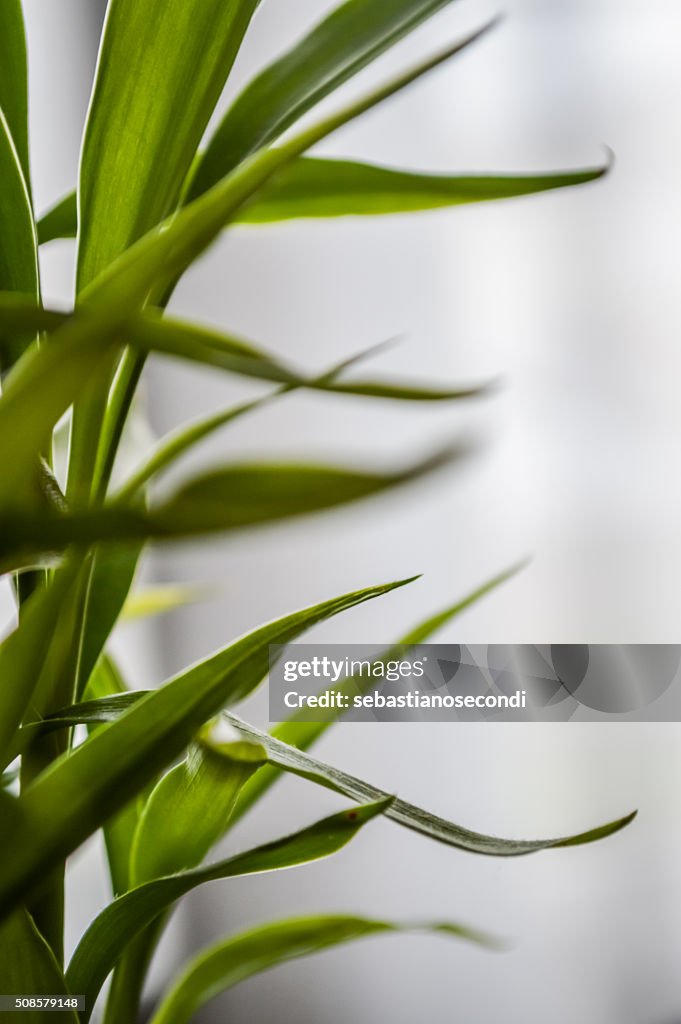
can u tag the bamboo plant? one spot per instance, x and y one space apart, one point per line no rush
152 770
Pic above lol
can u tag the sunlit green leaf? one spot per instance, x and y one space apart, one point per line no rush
14 79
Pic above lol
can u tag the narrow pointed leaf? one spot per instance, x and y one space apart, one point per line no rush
233 498
80 792
117 924
303 734
299 763
29 968
350 38
232 960
343 188
60 221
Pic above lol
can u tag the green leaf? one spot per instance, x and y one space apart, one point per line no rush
342 188
232 498
73 798
347 40
111 575
29 967
31 656
291 759
313 187
232 960
159 77
303 734
14 79
117 924
18 244
161 598
190 808
60 221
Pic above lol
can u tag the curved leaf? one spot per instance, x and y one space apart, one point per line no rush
232 960
291 759
72 799
60 221
101 945
347 40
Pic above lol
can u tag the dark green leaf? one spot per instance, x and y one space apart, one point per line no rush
80 792
349 39
232 960
101 946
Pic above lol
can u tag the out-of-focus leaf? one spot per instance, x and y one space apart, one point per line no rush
238 957
190 808
303 734
343 188
229 499
347 40
29 967
80 792
60 221
14 79
117 924
18 244
164 597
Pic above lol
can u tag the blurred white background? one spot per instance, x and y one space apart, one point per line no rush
570 298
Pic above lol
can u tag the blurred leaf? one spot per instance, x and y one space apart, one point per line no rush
29 967
190 808
80 792
146 602
117 924
238 957
347 40
232 498
60 221
303 734
14 80
341 188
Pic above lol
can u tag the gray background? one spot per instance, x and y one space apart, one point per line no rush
569 297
